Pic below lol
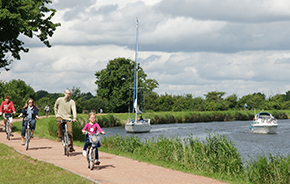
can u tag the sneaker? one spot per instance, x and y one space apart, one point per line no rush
84 153
72 150
4 128
23 142
59 139
31 135
11 134
97 162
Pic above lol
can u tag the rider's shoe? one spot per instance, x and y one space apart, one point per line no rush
11 134
4 128
84 153
23 142
31 135
72 150
97 162
59 139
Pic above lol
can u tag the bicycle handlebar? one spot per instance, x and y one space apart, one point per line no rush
63 121
8 115
88 133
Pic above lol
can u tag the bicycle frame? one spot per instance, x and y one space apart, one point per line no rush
27 133
94 139
65 137
8 124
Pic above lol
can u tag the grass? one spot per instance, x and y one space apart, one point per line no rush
120 119
216 157
18 168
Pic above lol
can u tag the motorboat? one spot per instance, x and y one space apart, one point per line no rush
137 125
264 123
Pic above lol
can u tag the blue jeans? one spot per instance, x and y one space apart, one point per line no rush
87 143
24 125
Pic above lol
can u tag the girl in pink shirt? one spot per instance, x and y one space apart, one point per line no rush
92 128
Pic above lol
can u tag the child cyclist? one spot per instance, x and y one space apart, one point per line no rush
92 127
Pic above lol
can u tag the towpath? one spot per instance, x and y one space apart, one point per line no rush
113 169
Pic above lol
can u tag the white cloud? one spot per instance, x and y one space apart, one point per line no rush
194 47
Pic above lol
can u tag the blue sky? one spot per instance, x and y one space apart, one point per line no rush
238 47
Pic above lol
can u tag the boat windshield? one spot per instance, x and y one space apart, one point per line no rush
264 115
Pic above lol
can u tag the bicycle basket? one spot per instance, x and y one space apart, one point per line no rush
94 138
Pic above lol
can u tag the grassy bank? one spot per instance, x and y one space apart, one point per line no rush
18 168
216 157
120 119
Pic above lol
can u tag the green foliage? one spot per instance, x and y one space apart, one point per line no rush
18 91
271 169
216 154
29 18
41 94
115 81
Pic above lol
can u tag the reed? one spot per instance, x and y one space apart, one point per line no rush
271 169
216 154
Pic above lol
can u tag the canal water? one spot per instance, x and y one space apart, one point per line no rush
249 145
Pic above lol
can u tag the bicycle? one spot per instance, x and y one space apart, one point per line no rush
65 137
8 124
91 150
27 133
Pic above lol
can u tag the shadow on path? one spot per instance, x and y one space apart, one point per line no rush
104 167
17 138
40 148
75 153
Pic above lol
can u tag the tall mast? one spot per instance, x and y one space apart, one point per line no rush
135 91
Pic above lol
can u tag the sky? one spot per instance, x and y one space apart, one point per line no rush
189 47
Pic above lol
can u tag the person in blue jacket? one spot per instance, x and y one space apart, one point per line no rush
29 113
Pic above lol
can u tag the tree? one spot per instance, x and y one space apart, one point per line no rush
231 101
18 91
29 18
41 94
215 96
256 100
115 81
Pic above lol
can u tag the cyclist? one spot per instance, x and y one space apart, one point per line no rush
92 128
46 109
7 107
63 108
31 113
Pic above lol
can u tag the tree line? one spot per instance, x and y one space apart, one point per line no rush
150 101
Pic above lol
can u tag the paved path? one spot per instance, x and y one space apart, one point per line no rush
113 169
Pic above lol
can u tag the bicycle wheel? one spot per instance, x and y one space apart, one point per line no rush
88 156
92 159
8 130
66 147
27 138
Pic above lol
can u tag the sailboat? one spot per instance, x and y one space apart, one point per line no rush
136 125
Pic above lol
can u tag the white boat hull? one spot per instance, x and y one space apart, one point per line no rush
264 123
264 128
138 126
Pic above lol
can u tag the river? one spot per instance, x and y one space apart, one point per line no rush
249 145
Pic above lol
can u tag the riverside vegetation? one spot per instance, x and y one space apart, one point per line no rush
216 157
